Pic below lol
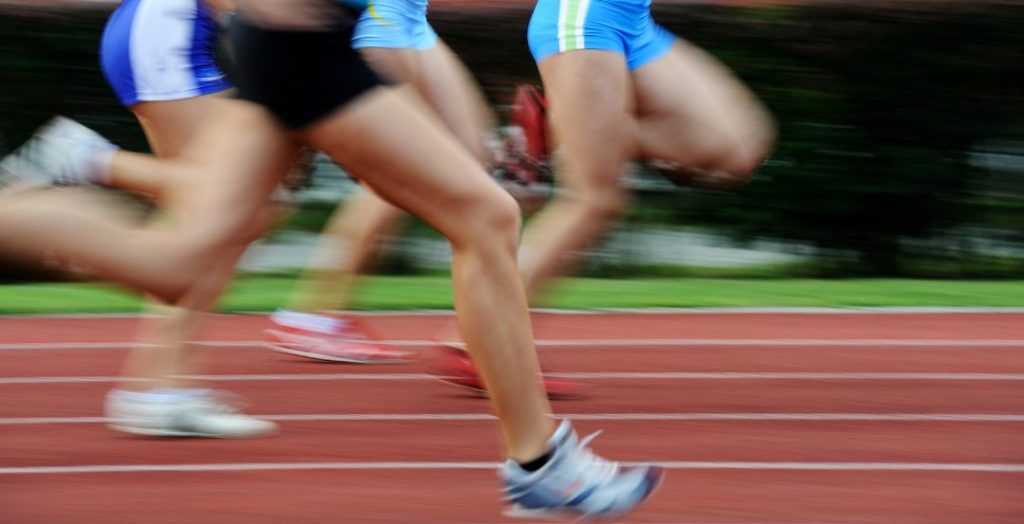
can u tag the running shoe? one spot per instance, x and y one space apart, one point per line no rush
530 113
326 338
576 483
454 366
523 168
181 413
61 153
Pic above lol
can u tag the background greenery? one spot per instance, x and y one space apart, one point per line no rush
902 124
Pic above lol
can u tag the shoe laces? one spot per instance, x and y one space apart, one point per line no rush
594 468
221 402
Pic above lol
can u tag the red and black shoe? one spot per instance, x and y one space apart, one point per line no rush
454 366
530 113
524 170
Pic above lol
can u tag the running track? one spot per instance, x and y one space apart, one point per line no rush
765 418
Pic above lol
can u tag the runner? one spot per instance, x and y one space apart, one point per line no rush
295 59
619 88
159 58
395 38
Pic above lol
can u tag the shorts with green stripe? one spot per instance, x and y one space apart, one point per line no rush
620 26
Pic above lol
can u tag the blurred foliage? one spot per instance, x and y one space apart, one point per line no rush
901 124
49 64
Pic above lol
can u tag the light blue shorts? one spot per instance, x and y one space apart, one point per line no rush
622 26
154 50
400 24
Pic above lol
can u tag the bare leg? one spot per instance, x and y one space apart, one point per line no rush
692 111
347 246
354 232
165 262
166 354
418 167
449 88
169 126
684 107
588 119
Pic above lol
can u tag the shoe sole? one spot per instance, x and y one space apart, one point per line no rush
173 433
457 381
519 512
327 358
462 379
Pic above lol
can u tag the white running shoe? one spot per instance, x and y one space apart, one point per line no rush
181 413
576 483
61 153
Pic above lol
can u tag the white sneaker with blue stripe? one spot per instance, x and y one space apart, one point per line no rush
61 153
576 483
175 412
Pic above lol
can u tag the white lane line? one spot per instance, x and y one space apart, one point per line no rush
364 466
586 343
684 417
298 377
682 375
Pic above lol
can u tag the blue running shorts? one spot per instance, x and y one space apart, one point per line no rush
400 24
154 50
621 26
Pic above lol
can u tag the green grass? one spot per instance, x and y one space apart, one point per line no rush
266 292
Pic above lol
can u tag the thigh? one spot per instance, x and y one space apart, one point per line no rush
588 98
699 101
398 65
451 90
414 164
170 125
230 169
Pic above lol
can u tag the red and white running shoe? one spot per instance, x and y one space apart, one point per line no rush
530 113
524 170
327 338
454 366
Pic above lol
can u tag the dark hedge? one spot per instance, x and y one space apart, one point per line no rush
901 124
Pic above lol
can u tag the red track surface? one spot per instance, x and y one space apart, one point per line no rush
799 467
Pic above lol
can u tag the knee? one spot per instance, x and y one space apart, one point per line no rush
749 143
731 156
491 220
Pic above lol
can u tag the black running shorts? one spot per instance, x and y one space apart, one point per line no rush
301 76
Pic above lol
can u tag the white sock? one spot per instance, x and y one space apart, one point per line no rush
97 171
160 394
308 321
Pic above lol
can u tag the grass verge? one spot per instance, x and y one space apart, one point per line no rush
266 292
